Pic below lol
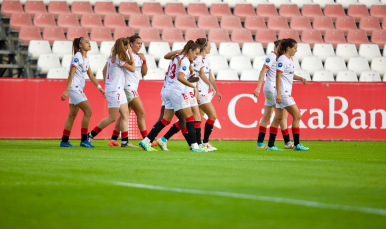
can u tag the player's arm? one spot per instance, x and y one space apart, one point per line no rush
104 72
214 85
69 81
170 55
94 80
296 77
260 82
144 65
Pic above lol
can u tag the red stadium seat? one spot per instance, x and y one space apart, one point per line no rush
334 37
152 8
197 10
162 21
34 7
75 32
289 33
379 37
172 35
241 36
113 21
218 35
384 23
91 20
123 32
289 11
184 22
323 23
244 10
100 34
208 22
357 11
369 24
345 24
28 33
128 8
148 35
68 20
265 36
300 23
194 34
20 19
58 7
357 37
80 8
334 10
220 9
254 23
10 7
378 11
277 23
174 9
104 8
266 11
311 11
52 34
138 21
312 36
230 23
42 20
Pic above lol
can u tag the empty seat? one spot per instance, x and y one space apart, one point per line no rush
346 76
289 11
369 24
345 24
162 21
152 8
358 65
379 64
194 34
252 50
357 37
229 49
378 11
304 50
270 48
174 9
123 32
128 8
312 64
266 11
42 20
227 74
379 37
158 49
230 23
323 51
277 23
220 9
300 23
346 51
46 62
66 61
312 36
323 75
149 35
218 63
187 2
369 76
38 47
208 22
278 3
241 35
80 8
140 2
97 61
57 73
265 36
244 10
346 3
311 11
28 33
197 10
104 8
75 32
154 74
369 51
323 24
210 2
34 7
334 37
258 62
184 22
289 33
90 21
296 62
99 74
54 33
384 23
357 11
100 34
68 20
301 3
323 3
163 64
138 21
106 47
10 7
304 74
333 11
254 23
172 35
58 7
213 49
62 48
113 21
20 19
335 64
178 46
150 61
218 35
250 75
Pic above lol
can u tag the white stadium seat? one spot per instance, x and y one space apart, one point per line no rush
304 50
229 49
62 48
369 76
304 74
178 46
218 63
163 64
36 48
346 3
155 74
323 3
213 49
369 3
163 2
66 61
97 61
159 49
227 74
270 48
57 73
252 50
335 64
323 51
379 64
47 61
209 2
150 61
140 2
250 75
186 2
94 48
256 2
279 2
143 49
296 62
106 47
358 65
118 2
258 62
369 51
312 64
346 76
324 75
240 63
300 3
99 74
346 51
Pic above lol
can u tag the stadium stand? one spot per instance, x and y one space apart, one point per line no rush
300 23
149 35
252 50
346 76
174 9
258 62
243 11
75 32
227 74
304 50
312 64
335 64
358 65
369 51
194 34
229 49
154 74
158 49
128 8
334 10
250 75
43 20
104 8
323 51
378 11
185 22
289 10
266 11
218 62
18 20
38 47
323 23
254 23
46 62
369 76
220 9
334 37
123 32
241 35
80 8
369 24
61 48
28 33
172 35
323 3
138 21
378 64
53 33
345 24
230 23
218 35
265 36
311 11
57 73
304 74
90 21
113 21
197 10
100 34
323 75
277 23
35 7
312 36
68 20
357 37
278 3
289 33
208 22
357 12
151 9
10 7
161 21
58 7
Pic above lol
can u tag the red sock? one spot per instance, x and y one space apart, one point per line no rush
210 122
178 125
83 131
263 129
190 119
184 131
166 122
144 133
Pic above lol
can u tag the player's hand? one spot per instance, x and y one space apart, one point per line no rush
278 98
198 98
129 49
256 93
193 79
142 56
219 96
212 89
304 81
191 69
64 95
103 92
195 91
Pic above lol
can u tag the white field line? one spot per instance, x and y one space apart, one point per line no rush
376 211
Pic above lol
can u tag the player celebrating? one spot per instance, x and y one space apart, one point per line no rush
80 67
269 69
284 101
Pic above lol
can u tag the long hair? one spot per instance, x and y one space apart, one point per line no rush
119 49
276 43
133 38
283 45
189 46
75 44
203 42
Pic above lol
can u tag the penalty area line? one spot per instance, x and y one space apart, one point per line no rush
306 203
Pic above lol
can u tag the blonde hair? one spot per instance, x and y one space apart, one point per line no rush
119 49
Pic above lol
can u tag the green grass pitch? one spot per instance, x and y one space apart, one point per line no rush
44 186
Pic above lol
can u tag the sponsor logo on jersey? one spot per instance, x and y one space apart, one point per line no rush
267 60
280 65
76 60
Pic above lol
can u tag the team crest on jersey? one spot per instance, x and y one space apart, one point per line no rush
280 65
267 60
184 68
76 60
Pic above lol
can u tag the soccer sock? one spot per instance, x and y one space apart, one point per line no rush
144 133
296 133
186 135
262 131
208 129
191 130
156 129
83 131
95 131
125 137
272 136
173 130
197 126
285 135
66 135
115 135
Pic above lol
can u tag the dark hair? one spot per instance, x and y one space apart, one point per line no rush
133 38
203 42
283 45
119 49
277 42
191 45
76 44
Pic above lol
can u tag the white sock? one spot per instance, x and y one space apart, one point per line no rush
194 146
146 140
124 142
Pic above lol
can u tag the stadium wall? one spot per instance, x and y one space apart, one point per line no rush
32 109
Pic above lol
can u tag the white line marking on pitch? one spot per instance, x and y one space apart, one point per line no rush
376 211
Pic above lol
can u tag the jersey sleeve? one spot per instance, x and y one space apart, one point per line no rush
75 61
209 65
184 68
280 65
269 61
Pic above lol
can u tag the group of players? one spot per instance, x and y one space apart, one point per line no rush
185 94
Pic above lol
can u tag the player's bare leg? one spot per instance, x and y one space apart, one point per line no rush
113 113
296 115
87 112
73 112
279 114
209 109
284 130
268 110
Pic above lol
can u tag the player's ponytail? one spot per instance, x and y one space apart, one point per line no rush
191 45
75 44
283 45
119 49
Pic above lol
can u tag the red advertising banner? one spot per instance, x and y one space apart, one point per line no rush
31 108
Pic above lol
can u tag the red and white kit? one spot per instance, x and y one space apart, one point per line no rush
203 88
132 78
197 65
270 81
115 82
78 80
286 66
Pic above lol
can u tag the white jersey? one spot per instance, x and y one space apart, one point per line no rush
172 79
82 65
132 78
197 64
286 66
270 81
115 80
202 86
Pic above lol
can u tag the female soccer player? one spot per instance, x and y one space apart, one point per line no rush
80 67
113 74
284 101
269 69
174 97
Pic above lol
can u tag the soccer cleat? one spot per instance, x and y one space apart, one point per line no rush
300 147
66 144
152 149
274 148
145 146
153 144
162 144
114 143
200 150
261 145
129 145
209 146
288 145
90 138
86 144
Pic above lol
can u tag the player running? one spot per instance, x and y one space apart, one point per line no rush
80 67
269 70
